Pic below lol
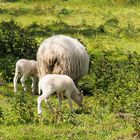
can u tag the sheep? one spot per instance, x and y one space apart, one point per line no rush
61 54
25 68
60 84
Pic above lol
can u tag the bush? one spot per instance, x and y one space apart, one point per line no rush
16 43
114 83
107 73
22 107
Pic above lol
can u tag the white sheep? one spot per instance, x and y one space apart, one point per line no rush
60 84
25 68
61 54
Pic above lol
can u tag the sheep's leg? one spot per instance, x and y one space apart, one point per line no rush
23 79
49 105
15 81
39 100
33 84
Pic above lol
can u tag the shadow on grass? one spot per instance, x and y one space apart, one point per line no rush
22 11
60 27
63 28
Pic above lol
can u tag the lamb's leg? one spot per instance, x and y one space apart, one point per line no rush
15 81
68 95
59 100
33 84
70 104
39 100
23 79
49 105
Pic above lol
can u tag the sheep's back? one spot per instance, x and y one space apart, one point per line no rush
62 55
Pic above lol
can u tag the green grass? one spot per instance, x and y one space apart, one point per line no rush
91 21
59 131
75 13
91 122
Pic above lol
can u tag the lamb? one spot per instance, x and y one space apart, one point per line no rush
61 54
60 84
25 68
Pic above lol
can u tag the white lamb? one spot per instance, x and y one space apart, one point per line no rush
25 68
60 84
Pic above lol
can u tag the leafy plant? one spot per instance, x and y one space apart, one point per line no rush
23 108
15 43
1 116
65 12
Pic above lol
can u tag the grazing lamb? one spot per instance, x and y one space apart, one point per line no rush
60 84
61 54
25 68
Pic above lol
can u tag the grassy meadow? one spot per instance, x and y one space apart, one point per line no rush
110 30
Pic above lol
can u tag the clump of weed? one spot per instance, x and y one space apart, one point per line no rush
70 118
65 12
22 107
1 115
129 30
112 22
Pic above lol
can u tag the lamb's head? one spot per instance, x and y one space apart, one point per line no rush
78 97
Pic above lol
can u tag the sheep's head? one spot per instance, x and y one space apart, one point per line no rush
78 98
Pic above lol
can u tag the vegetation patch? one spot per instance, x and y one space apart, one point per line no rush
111 34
